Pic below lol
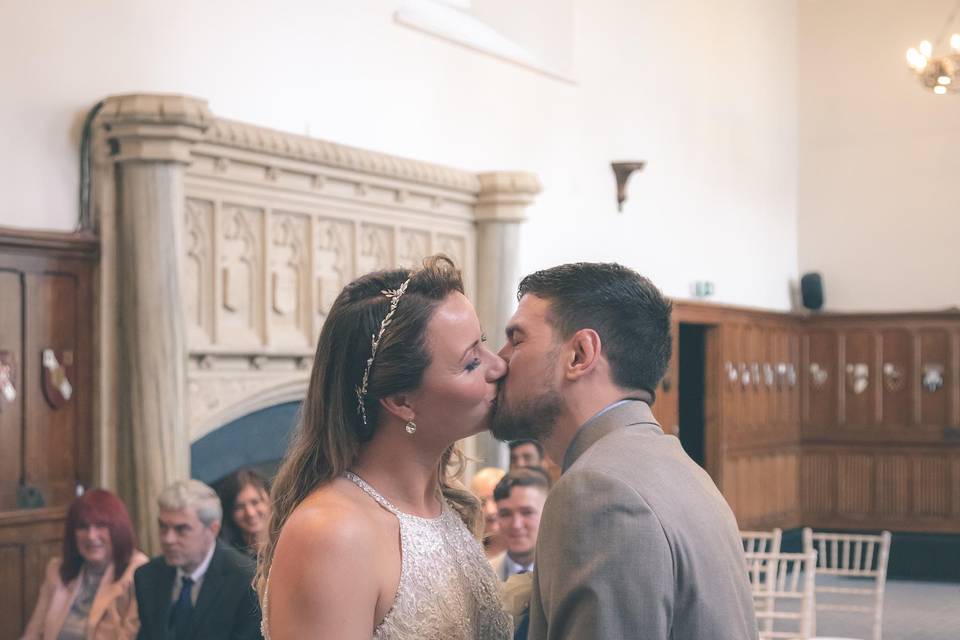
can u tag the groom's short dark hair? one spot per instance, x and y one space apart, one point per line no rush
628 312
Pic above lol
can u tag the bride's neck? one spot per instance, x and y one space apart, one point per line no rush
402 469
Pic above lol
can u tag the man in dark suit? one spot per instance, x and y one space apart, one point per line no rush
199 589
635 539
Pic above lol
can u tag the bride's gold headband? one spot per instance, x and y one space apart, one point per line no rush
394 296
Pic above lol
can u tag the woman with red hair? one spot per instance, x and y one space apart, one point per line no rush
88 593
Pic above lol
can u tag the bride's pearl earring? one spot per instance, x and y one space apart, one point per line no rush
411 427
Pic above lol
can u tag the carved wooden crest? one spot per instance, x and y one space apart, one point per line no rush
8 392
932 378
57 369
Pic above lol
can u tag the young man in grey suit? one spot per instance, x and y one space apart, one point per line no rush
636 541
520 496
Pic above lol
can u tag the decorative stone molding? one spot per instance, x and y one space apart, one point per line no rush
154 127
504 196
268 141
519 183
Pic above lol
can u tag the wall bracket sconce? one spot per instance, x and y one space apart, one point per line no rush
623 171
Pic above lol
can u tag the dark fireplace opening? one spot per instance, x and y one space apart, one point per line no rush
257 440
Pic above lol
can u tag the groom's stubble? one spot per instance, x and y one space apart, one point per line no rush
533 416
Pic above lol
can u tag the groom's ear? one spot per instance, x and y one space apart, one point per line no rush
583 354
399 404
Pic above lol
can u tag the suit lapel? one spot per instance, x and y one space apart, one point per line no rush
210 591
622 414
161 599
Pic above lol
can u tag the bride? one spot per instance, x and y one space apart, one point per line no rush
370 534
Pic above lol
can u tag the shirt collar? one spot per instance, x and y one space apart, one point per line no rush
513 567
199 572
626 412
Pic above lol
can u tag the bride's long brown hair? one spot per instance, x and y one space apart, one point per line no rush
330 431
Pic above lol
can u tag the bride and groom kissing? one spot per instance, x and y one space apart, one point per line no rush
372 534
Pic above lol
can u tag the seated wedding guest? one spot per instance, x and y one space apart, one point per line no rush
199 587
87 594
245 497
482 486
530 453
525 453
520 496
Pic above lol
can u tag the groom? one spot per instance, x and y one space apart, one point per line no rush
635 540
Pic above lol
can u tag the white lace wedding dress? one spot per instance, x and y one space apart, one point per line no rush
447 589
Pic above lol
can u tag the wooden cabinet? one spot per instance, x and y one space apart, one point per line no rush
881 443
833 420
666 406
751 409
884 378
896 377
46 412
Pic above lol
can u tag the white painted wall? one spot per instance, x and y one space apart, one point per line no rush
705 92
879 211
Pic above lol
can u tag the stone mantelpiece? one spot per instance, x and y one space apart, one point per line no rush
224 252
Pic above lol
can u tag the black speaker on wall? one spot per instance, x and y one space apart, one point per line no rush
811 291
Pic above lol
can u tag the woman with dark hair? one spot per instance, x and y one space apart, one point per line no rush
371 533
245 496
87 594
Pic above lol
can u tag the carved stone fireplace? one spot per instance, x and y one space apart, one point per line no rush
223 247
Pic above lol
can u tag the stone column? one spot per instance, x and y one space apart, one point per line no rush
150 138
501 209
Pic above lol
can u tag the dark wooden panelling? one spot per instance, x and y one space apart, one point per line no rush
954 389
779 397
893 500
666 407
855 479
886 457
748 381
820 379
931 487
732 406
955 488
859 372
934 351
897 376
793 383
36 556
11 413
818 483
50 454
759 415
46 301
12 602
712 403
28 539
771 503
852 486
753 432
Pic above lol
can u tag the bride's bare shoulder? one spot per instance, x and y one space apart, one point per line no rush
324 576
335 517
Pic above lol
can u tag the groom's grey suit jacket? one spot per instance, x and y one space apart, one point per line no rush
636 542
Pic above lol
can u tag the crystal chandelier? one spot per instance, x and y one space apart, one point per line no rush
939 73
